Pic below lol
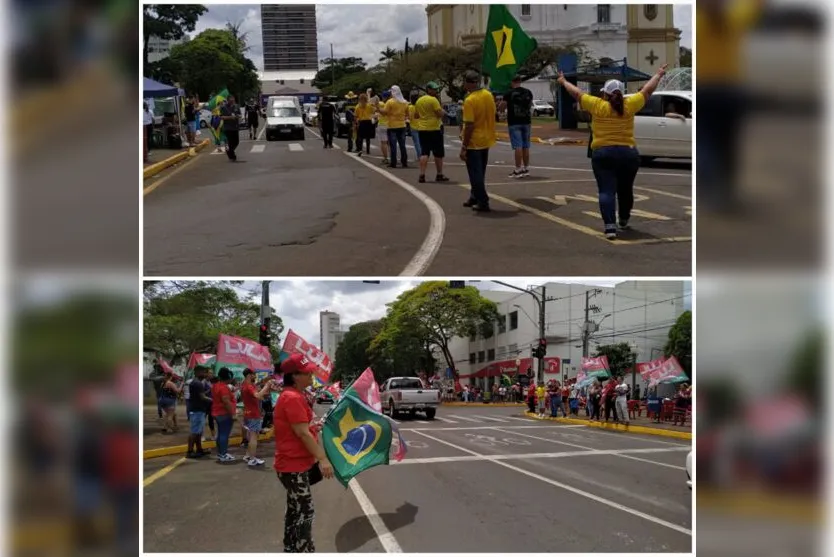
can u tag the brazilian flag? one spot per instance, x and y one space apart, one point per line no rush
214 107
355 438
506 48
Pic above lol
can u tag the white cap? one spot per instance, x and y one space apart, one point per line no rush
613 85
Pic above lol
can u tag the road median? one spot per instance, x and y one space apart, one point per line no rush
157 167
644 430
183 449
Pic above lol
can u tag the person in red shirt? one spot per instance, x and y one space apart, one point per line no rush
297 452
531 398
565 398
252 416
223 409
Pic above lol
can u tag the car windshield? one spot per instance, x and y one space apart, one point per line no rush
285 112
407 384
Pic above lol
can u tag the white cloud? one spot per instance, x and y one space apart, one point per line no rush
362 30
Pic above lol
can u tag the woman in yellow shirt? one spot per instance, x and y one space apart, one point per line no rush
614 158
364 124
396 111
414 124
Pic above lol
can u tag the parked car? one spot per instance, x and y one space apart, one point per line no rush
324 397
664 127
541 107
407 394
689 470
205 118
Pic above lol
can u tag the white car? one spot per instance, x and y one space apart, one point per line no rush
283 119
540 107
205 118
663 129
689 470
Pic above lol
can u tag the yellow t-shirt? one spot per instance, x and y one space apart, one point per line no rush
395 114
608 127
381 118
720 44
479 109
364 112
427 107
540 393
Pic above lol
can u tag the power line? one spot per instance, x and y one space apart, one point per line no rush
582 319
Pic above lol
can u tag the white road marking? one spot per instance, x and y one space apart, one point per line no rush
528 420
262 132
465 419
422 422
336 146
421 261
258 148
653 462
491 419
446 420
566 487
646 438
386 538
490 427
296 147
527 456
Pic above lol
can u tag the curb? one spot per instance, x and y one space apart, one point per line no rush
158 167
480 404
618 427
761 505
183 449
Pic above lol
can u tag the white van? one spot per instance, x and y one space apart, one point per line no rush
284 118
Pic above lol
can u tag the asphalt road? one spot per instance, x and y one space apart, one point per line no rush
475 479
293 209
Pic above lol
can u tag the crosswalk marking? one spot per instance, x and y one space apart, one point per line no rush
491 419
422 422
446 420
296 147
463 418
516 418
258 148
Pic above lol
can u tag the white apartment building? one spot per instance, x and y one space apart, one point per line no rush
159 49
330 332
636 312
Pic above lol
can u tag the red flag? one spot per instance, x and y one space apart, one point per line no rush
243 351
294 344
367 390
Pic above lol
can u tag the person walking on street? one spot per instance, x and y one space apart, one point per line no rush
299 458
197 405
230 114
350 120
223 409
518 103
364 113
209 387
540 398
252 416
253 118
327 122
556 400
478 138
614 156
428 114
396 111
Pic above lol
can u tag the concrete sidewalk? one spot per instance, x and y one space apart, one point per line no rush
637 425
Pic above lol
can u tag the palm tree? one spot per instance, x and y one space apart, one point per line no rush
388 54
242 37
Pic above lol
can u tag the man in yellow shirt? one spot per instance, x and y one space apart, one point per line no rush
396 111
428 114
478 138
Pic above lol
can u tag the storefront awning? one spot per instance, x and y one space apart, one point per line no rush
511 368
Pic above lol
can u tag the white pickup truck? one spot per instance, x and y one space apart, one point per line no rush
407 394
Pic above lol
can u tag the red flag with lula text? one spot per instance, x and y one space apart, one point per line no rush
238 351
294 344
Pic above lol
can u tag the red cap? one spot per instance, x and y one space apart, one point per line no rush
297 363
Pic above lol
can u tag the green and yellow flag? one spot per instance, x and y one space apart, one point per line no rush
506 48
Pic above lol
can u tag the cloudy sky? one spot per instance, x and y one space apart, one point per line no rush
361 30
299 302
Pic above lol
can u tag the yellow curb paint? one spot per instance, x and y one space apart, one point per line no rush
636 213
182 449
158 167
762 505
618 427
54 535
481 405
153 477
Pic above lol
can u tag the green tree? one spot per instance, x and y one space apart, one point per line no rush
686 57
338 68
242 37
806 371
389 54
212 61
435 314
679 343
352 355
169 22
620 357
183 317
401 351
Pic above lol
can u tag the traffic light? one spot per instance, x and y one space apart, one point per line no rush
264 334
540 351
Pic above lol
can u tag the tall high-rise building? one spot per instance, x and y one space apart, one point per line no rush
290 41
330 332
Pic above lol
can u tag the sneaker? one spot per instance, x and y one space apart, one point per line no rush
208 438
193 456
385 162
441 178
478 208
392 165
469 203
422 179
247 459
515 174
610 234
226 458
204 453
525 172
255 462
623 224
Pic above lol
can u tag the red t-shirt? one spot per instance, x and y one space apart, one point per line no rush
290 453
565 392
251 404
218 391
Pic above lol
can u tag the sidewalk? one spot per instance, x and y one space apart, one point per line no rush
640 424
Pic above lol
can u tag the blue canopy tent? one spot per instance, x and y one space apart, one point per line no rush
155 90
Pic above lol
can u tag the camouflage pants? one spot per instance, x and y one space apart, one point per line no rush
298 520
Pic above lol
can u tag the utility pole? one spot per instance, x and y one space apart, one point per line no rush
266 314
542 301
588 325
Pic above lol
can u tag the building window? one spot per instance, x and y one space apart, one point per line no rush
491 354
502 324
473 337
603 13
525 10
472 358
481 356
514 321
512 351
301 81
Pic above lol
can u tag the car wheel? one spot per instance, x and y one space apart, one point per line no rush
268 136
392 410
430 412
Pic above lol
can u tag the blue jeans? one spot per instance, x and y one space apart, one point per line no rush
520 136
555 406
615 169
717 142
476 166
415 137
397 137
224 429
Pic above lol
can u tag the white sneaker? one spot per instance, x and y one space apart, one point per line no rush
226 458
248 459
255 462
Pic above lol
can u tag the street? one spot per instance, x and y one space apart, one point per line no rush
292 208
476 479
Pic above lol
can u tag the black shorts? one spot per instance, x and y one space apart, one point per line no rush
431 143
